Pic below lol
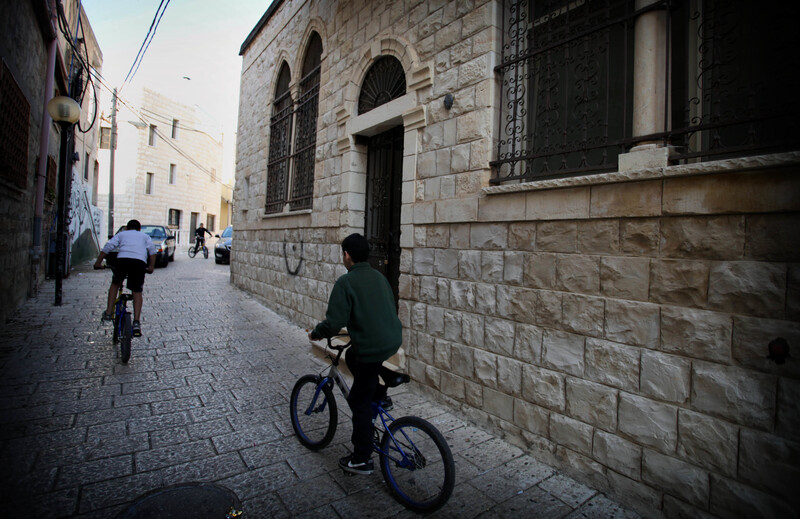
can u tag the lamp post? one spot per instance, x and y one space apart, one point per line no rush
66 112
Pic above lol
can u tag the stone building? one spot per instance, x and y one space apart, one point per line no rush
587 210
167 168
38 63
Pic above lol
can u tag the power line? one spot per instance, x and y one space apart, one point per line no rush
151 32
137 112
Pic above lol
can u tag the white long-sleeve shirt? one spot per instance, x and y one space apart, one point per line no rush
132 244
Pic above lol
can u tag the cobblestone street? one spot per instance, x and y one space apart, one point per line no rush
204 398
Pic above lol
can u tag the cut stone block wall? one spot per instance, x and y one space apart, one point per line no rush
615 326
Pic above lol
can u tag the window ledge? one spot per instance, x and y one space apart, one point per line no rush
683 170
269 216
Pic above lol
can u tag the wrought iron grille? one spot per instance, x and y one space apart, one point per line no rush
735 79
305 142
385 81
14 124
303 119
567 79
566 73
280 139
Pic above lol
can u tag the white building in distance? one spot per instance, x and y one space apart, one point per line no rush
167 168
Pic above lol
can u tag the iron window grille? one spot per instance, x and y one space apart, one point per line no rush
384 82
567 84
280 131
15 116
734 78
300 118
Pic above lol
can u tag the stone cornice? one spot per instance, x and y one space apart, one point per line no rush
683 170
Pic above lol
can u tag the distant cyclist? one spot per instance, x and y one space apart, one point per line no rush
200 237
137 255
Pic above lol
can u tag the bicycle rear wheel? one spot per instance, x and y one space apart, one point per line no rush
417 464
192 252
115 333
125 338
314 413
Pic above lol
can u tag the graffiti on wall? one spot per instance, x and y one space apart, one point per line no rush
84 219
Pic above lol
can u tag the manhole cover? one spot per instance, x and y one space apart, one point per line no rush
184 501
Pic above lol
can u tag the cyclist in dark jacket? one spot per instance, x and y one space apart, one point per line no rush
200 236
362 300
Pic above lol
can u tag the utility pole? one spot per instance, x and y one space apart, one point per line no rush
112 147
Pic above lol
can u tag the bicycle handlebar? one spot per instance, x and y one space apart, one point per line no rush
338 347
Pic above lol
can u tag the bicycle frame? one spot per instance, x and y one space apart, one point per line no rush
121 307
335 376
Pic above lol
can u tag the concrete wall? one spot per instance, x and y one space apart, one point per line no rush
614 325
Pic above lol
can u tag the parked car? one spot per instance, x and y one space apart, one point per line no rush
164 241
222 250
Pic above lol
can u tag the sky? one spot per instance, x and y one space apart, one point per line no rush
197 39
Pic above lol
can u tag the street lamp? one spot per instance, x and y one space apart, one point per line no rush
66 112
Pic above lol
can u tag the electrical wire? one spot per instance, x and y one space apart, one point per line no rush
137 112
167 119
77 56
151 32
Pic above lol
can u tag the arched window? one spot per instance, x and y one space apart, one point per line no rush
306 122
280 139
385 81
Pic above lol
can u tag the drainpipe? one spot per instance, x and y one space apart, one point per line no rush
41 175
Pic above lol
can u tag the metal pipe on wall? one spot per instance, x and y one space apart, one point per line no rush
41 175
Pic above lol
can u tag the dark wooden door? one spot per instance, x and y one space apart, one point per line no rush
384 189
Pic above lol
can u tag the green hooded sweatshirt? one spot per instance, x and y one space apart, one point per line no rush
363 301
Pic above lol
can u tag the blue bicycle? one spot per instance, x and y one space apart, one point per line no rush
415 459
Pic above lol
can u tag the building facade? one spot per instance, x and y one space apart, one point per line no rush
39 63
586 209
167 168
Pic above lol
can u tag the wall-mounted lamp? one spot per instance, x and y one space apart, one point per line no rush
448 101
66 112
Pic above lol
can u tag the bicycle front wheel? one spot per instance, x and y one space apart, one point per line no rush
417 464
205 252
192 252
314 413
125 338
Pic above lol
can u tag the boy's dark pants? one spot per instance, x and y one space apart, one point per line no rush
365 385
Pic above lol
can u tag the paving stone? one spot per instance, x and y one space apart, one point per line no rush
512 478
205 398
568 490
600 507
307 495
534 504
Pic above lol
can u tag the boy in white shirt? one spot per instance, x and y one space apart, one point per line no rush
137 255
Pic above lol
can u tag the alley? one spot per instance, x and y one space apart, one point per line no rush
204 398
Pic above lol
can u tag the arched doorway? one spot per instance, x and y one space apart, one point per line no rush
384 81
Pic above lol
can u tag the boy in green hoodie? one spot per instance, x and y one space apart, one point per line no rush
363 301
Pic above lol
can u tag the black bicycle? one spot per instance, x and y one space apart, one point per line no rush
123 330
415 460
193 250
